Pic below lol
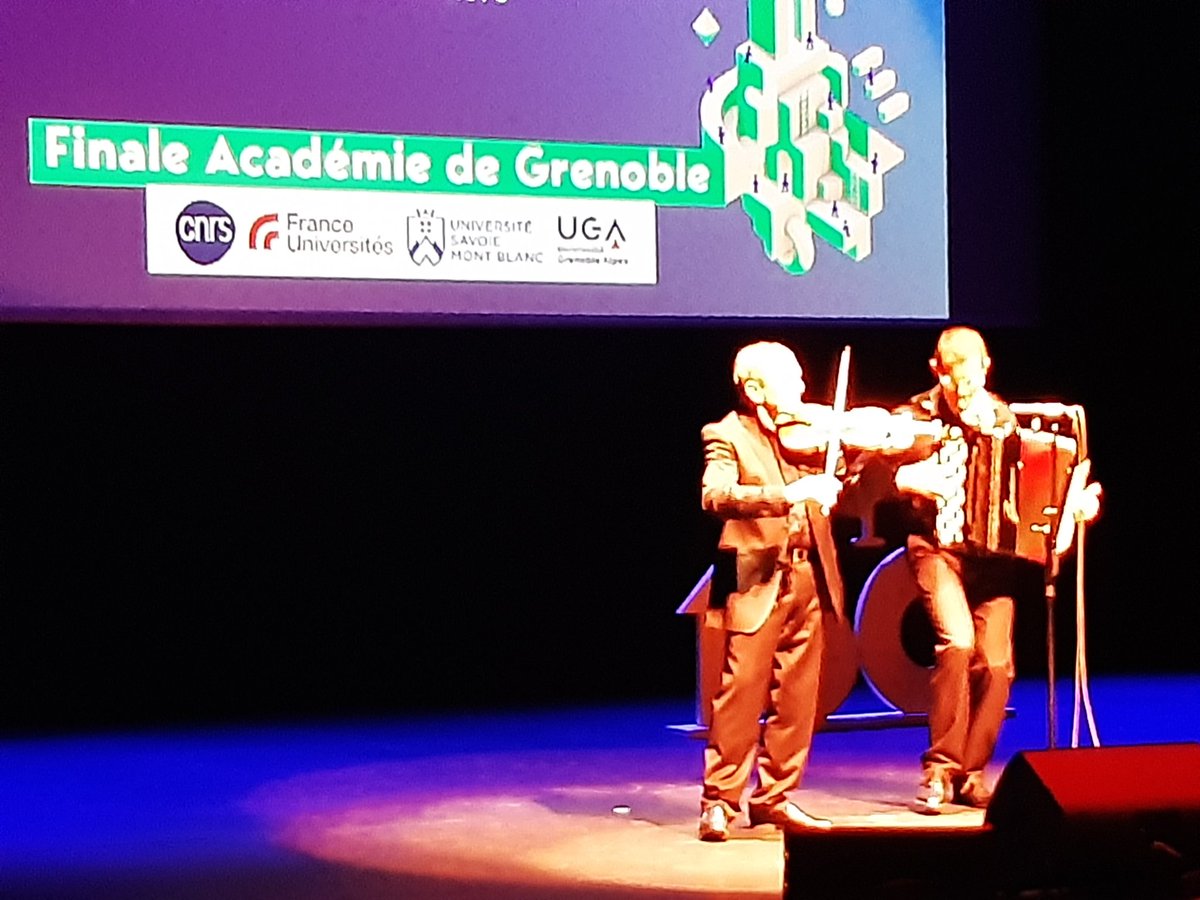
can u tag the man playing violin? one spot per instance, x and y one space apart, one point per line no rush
774 503
967 593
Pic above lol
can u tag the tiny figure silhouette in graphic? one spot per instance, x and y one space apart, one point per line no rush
721 133
871 77
756 184
785 181
808 43
874 163
835 212
831 99
710 84
846 228
747 54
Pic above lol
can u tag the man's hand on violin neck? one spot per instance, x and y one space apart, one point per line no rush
822 488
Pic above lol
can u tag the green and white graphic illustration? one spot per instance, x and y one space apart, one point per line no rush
801 163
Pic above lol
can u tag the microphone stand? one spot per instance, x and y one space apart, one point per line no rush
1050 592
1050 575
1056 545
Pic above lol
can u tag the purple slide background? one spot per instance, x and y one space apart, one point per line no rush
620 71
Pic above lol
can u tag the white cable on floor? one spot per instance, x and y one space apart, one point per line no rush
1082 694
1081 676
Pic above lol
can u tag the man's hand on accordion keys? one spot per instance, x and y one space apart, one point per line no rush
929 478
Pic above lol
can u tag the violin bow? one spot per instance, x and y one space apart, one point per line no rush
833 450
839 408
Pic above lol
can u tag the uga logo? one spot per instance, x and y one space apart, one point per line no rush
591 229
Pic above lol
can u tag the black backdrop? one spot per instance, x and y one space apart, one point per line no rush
224 523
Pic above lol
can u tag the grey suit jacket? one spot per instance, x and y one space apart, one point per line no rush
743 485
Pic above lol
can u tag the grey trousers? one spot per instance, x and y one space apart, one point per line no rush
973 666
774 671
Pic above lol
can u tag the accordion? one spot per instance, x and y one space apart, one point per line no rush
1012 487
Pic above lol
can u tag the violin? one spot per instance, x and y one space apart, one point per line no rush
812 427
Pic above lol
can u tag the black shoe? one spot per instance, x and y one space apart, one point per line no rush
787 814
714 823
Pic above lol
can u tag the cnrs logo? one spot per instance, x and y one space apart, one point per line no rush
204 231
591 229
262 229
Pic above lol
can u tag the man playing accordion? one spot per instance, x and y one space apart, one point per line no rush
966 586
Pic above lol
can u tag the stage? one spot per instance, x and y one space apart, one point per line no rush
566 803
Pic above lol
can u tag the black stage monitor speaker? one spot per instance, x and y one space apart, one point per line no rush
1109 818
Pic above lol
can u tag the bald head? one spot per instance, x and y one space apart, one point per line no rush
961 364
961 342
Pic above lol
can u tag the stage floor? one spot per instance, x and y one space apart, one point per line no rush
566 803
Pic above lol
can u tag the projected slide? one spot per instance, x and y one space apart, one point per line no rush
462 158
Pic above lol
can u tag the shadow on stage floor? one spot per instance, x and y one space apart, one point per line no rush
567 803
